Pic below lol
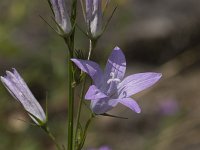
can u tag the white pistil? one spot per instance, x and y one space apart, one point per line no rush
112 74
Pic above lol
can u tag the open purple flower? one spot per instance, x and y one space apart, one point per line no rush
110 87
20 91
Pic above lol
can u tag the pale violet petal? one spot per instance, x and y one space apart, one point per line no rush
91 68
61 14
102 105
26 98
11 89
55 7
136 83
94 93
96 20
22 84
130 103
89 7
20 91
116 65
66 23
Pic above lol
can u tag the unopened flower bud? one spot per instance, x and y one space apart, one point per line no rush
20 91
61 15
94 17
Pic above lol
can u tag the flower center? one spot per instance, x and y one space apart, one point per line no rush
113 79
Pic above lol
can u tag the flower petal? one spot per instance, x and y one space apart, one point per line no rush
11 89
136 83
61 14
130 103
94 93
91 68
116 64
96 20
20 91
102 105
89 6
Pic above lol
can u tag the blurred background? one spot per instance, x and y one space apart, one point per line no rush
155 35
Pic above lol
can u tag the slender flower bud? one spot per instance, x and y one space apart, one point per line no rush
61 15
94 17
20 91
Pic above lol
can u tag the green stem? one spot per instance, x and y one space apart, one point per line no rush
91 48
47 131
70 104
79 111
70 91
70 43
85 132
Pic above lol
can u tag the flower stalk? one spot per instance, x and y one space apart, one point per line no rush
70 101
92 45
51 136
70 98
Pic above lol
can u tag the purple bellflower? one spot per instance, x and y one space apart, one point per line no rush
61 15
94 17
20 91
110 87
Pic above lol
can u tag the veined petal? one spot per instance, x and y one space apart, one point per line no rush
116 65
11 89
55 7
20 91
102 105
61 15
96 20
89 8
136 83
94 93
91 68
66 23
22 85
130 103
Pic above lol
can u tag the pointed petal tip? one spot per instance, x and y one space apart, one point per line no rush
9 74
117 48
130 103
74 60
138 111
154 74
2 78
159 75
14 70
